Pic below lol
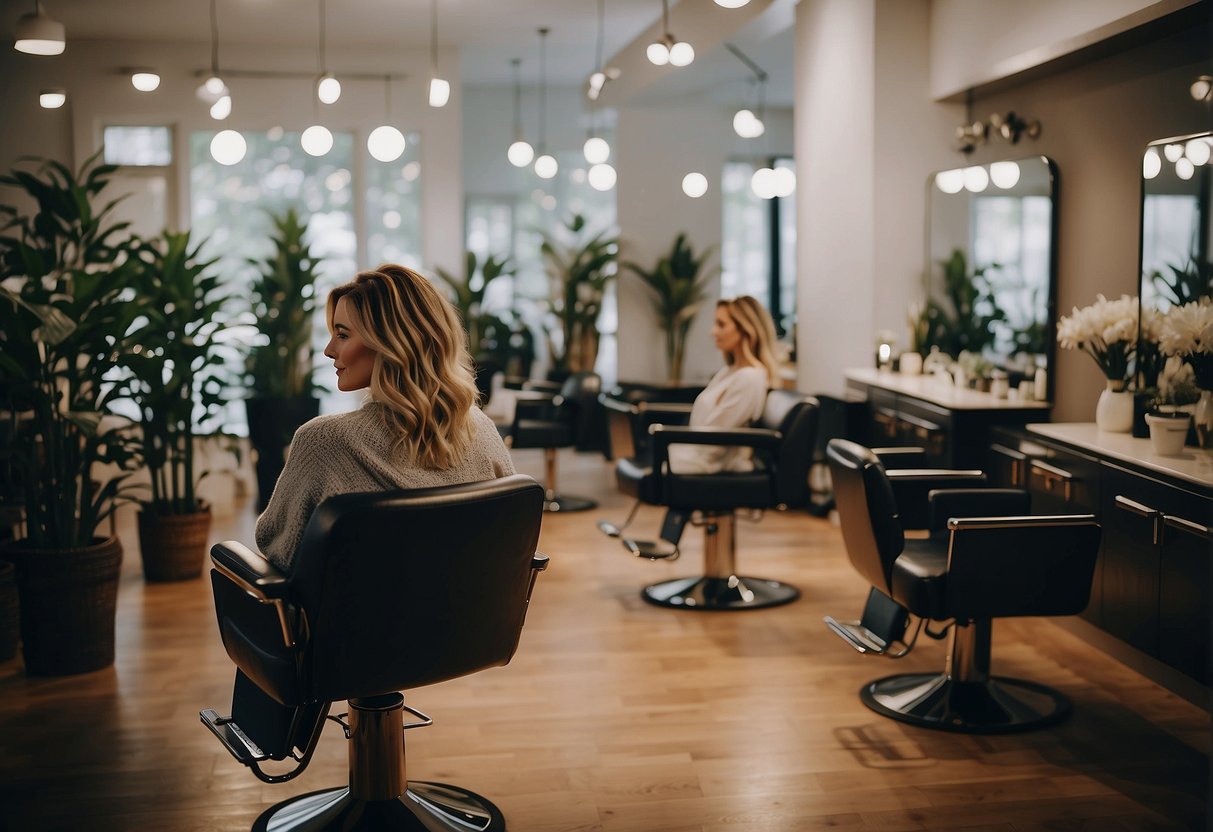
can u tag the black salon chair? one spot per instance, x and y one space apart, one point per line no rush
547 420
782 440
986 558
388 592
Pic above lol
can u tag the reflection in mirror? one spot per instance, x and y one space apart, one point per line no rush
991 272
1176 221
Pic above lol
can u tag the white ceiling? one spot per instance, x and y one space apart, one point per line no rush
487 33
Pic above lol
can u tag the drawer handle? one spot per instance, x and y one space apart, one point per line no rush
1133 507
1188 526
1052 476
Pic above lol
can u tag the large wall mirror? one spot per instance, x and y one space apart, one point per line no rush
991 274
1176 221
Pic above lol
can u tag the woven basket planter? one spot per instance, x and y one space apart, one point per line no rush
173 546
68 601
9 621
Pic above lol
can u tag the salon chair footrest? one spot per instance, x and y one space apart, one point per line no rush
425 807
709 593
564 502
997 706
651 549
234 740
859 637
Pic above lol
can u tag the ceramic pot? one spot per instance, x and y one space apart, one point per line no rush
910 364
1114 411
1167 432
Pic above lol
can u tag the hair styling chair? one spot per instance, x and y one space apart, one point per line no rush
986 558
550 421
388 592
783 446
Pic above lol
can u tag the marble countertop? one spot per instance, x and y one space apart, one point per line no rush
1193 465
936 391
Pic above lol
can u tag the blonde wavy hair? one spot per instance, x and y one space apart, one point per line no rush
757 330
422 373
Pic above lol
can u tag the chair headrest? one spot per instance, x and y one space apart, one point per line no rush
850 454
781 408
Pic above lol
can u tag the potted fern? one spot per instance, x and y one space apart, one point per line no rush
174 377
280 364
580 267
677 291
66 285
483 328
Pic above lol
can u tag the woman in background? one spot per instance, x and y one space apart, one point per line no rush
392 333
736 395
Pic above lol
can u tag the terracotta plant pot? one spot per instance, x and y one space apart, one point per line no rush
69 598
173 546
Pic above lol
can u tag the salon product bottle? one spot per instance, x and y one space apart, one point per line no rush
1040 390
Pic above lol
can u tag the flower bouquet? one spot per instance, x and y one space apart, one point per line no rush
1187 333
1107 331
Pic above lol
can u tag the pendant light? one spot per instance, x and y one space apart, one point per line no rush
440 89
317 140
545 166
328 88
213 90
386 143
668 49
38 33
747 122
596 149
144 79
520 153
52 99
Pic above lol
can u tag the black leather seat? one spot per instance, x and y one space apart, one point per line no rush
782 441
388 592
986 558
551 421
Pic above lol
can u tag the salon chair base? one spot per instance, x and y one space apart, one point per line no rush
998 705
425 807
708 593
566 503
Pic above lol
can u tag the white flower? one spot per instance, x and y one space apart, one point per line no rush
1100 324
1187 329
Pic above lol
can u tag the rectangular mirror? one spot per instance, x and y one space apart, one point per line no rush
991 275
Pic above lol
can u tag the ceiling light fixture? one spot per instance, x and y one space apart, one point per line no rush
440 89
38 33
668 49
520 153
52 99
545 166
1202 88
328 88
228 147
747 122
694 184
144 80
386 143
596 149
213 88
731 4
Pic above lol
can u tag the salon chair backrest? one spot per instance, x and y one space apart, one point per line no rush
795 416
867 511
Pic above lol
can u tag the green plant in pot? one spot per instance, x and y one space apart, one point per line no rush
678 290
467 295
280 364
580 267
66 283
1167 418
174 377
964 318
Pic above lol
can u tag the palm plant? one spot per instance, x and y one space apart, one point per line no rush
468 295
579 272
677 291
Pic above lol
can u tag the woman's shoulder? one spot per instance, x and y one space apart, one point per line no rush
751 376
334 428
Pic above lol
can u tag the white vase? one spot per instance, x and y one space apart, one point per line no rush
1167 433
1203 417
1114 411
910 364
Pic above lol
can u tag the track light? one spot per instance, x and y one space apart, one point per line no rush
38 33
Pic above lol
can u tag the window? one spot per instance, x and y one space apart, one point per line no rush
1013 234
138 146
393 208
758 244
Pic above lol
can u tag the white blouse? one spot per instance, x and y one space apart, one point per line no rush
733 398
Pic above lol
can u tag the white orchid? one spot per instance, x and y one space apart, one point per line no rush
1106 330
1187 329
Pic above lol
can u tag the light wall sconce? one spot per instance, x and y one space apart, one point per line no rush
1202 88
440 89
1010 127
38 33
668 49
144 80
52 99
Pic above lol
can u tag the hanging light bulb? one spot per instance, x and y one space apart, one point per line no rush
222 108
976 179
520 152
681 53
52 99
546 166
762 183
1173 152
747 125
596 150
1151 164
386 143
1197 151
213 88
658 53
1004 174
38 33
316 140
228 147
667 49
328 90
694 184
1184 168
440 89
950 181
783 182
601 177
731 4
144 80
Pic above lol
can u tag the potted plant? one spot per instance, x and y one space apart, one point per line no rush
677 291
467 295
1107 331
174 377
280 364
579 269
66 284
964 318
1167 418
1186 332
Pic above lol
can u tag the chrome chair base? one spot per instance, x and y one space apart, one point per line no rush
425 807
732 593
998 705
563 502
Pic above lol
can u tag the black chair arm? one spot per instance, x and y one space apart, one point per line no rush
947 503
912 485
663 436
670 409
960 525
937 475
249 570
533 404
907 456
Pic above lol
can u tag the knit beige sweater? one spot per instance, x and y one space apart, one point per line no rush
347 453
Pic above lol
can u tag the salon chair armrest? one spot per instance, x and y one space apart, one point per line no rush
662 413
912 485
945 504
533 404
896 458
249 570
663 436
540 386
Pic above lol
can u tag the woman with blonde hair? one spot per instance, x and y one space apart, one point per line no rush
391 332
744 333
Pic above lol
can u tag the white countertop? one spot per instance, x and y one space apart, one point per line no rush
1193 464
931 389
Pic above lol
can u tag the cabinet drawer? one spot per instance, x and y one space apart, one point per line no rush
1061 481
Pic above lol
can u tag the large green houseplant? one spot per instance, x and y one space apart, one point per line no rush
281 363
678 289
66 286
580 267
964 317
175 378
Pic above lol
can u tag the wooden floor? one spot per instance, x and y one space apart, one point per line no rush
623 717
